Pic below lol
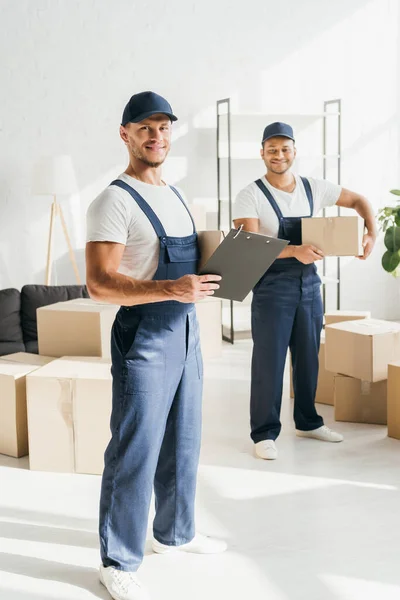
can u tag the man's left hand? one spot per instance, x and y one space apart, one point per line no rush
368 245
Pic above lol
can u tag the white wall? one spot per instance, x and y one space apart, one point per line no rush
68 67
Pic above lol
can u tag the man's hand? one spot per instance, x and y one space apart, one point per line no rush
368 244
307 254
191 288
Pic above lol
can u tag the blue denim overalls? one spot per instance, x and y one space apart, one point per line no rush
287 313
156 414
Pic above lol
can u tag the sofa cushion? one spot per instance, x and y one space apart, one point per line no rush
32 347
11 336
34 296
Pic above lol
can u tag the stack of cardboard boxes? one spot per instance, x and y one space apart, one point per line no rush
57 404
359 369
363 355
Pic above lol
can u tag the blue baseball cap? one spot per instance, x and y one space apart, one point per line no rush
277 130
145 104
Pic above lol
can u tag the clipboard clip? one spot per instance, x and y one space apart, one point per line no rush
238 231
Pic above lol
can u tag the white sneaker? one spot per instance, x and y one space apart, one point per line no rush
266 450
122 585
322 433
200 544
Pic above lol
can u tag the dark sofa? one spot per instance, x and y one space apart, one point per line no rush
18 328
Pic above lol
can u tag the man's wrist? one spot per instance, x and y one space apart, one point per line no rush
168 288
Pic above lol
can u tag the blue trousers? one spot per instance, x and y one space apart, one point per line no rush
156 430
287 312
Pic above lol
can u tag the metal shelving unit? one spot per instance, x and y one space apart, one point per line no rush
231 153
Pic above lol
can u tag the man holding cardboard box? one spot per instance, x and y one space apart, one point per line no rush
142 254
287 309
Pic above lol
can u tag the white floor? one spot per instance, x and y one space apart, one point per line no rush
320 523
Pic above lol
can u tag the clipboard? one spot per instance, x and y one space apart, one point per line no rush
241 259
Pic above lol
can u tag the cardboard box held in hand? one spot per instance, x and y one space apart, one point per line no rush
335 236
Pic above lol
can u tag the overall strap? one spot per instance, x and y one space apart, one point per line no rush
185 205
307 188
148 211
270 198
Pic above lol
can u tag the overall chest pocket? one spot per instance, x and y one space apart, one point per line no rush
183 253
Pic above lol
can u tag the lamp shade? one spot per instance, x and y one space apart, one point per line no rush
54 175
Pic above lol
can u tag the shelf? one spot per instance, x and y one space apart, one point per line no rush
251 151
278 116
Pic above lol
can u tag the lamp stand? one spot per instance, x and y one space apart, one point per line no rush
56 210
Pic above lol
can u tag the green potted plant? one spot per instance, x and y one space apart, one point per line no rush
389 223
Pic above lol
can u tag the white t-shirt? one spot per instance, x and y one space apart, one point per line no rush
251 202
114 216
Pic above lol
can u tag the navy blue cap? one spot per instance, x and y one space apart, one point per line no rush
145 104
277 130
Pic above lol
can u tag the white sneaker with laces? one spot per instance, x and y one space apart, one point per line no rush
322 433
200 544
266 450
122 585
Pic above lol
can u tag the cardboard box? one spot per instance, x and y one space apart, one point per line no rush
78 327
359 401
69 408
393 400
208 243
13 421
210 324
324 394
27 358
339 316
335 236
362 349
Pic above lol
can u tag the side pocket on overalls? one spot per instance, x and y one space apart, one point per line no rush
197 346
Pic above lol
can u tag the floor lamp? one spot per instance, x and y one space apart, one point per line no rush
55 176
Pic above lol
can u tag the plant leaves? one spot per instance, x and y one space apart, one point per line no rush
390 261
395 192
392 238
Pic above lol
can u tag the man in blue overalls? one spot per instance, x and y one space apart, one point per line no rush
287 307
142 254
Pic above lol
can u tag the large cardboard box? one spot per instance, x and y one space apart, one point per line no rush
359 401
13 420
210 325
324 394
393 400
339 316
27 358
362 349
78 327
335 236
69 408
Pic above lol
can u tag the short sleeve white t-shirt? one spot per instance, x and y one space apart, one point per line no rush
251 202
114 216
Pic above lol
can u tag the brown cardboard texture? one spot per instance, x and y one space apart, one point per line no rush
13 420
339 316
79 327
359 401
362 349
69 407
393 399
208 243
335 236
